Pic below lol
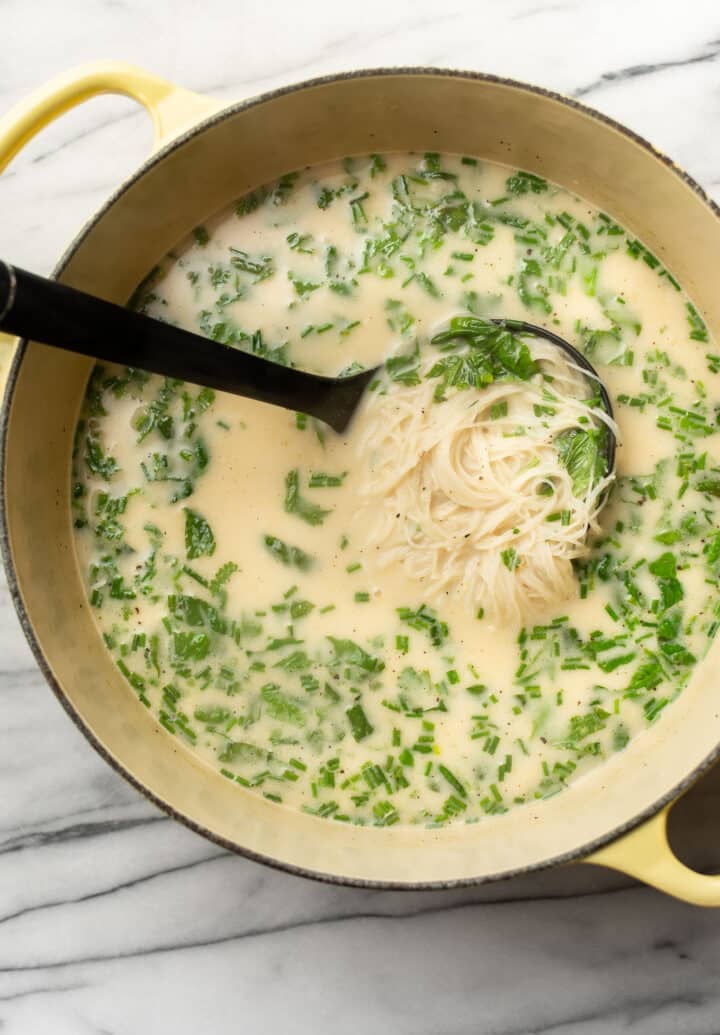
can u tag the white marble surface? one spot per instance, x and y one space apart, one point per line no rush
115 920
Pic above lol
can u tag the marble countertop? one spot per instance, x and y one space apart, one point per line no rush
114 919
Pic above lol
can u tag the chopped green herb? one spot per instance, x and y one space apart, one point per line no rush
298 505
286 554
199 538
360 726
425 620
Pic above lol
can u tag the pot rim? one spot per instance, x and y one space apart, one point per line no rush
574 855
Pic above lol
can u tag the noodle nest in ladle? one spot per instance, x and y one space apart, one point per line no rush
488 493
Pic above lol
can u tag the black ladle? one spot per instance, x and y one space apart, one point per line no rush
51 313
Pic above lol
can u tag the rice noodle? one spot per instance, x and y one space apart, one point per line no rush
456 497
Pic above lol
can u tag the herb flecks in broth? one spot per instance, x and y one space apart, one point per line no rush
225 555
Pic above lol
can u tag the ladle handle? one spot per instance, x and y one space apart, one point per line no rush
46 311
54 314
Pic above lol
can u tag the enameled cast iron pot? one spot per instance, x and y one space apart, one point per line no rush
205 156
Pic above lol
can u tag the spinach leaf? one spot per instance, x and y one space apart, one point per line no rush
303 288
295 661
300 608
582 726
671 592
191 646
582 453
646 677
281 706
199 538
483 352
196 612
663 566
297 504
360 726
347 652
97 461
242 751
404 369
293 556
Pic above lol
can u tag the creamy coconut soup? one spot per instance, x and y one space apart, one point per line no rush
340 623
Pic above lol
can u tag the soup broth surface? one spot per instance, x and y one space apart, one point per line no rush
225 544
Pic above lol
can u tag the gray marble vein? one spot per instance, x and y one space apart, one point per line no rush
114 920
709 52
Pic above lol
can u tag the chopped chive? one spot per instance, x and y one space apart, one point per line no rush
360 726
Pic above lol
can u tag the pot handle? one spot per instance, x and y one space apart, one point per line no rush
645 853
171 108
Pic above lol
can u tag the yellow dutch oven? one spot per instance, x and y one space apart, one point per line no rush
205 155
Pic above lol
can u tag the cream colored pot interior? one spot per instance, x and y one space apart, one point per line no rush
240 150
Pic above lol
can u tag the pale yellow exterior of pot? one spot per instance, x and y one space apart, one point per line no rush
643 853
